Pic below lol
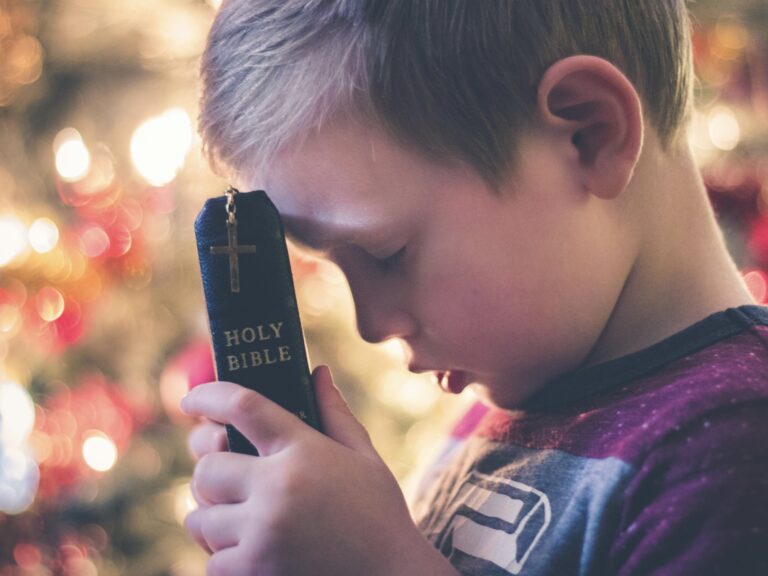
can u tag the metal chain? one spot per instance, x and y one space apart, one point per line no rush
231 208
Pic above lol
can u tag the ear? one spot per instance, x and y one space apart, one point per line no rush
589 103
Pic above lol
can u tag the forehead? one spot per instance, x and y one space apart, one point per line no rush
346 179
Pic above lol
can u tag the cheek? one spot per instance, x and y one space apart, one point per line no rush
459 304
502 304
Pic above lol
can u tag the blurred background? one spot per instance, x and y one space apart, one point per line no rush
102 320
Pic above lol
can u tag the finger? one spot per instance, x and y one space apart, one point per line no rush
205 438
338 421
193 527
201 502
224 477
268 426
228 562
218 526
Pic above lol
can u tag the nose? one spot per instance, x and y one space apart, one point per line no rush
375 327
380 300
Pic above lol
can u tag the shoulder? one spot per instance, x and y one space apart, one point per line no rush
698 502
689 394
695 433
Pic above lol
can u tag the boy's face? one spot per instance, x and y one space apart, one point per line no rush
505 291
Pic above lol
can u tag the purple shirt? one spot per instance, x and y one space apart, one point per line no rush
653 463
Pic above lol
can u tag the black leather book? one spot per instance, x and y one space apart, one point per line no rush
254 320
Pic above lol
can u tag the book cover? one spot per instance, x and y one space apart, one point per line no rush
254 321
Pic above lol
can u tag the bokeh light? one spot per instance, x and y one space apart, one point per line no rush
724 130
22 59
13 239
120 240
160 145
49 303
729 39
27 556
17 414
19 477
9 318
408 393
396 348
94 241
73 160
99 451
757 283
43 235
95 185
183 501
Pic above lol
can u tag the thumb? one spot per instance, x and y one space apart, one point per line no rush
337 419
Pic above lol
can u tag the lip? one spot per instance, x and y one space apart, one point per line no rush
454 381
449 380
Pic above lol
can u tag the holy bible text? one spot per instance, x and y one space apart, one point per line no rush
262 356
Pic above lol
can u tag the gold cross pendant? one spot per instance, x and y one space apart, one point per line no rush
232 249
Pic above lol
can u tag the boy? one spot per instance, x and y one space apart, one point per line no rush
508 189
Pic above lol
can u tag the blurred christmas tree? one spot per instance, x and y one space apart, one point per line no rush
102 325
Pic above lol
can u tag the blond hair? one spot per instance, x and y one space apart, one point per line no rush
453 79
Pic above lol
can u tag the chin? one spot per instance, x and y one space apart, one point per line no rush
499 396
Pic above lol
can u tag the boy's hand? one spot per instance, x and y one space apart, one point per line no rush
310 504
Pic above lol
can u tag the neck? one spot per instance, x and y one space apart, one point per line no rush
683 271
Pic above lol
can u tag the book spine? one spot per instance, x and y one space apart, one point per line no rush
256 331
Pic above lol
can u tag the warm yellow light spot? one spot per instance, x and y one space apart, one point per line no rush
9 317
410 393
49 303
43 235
17 414
183 501
99 451
215 4
101 174
730 38
73 160
22 60
13 239
396 349
160 145
724 130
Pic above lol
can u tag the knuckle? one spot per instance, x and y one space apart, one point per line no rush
204 466
219 438
202 472
206 529
244 402
196 442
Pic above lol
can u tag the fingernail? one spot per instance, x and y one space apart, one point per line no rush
184 402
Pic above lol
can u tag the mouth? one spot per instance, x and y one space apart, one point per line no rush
451 381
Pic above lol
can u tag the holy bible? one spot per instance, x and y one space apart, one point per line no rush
254 320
